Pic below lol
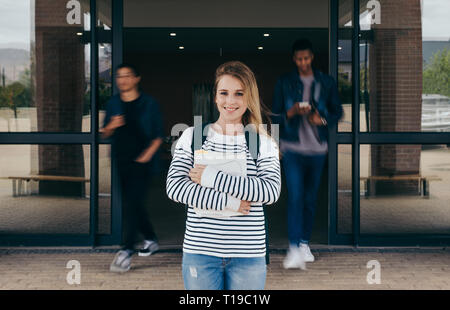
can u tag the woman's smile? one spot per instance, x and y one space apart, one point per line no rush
230 109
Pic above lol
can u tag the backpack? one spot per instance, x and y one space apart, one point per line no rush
254 151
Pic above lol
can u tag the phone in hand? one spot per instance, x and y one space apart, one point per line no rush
303 104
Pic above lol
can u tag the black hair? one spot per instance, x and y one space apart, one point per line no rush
302 45
129 66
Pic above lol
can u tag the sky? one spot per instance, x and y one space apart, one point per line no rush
15 23
435 19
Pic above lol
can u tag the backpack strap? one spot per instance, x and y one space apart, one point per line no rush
251 136
198 137
254 151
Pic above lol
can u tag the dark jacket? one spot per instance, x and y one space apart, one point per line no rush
148 126
289 89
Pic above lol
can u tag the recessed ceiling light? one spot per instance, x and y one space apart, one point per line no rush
79 33
260 47
173 34
339 47
267 35
181 47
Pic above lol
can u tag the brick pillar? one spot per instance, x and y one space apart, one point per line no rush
396 90
60 80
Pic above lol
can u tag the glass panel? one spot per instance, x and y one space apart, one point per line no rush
44 189
104 190
104 14
405 189
404 66
436 65
345 34
104 24
44 66
345 210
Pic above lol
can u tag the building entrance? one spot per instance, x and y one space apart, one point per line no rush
177 58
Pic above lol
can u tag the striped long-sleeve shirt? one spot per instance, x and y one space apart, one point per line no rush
236 236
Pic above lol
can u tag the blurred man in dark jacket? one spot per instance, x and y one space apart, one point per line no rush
133 120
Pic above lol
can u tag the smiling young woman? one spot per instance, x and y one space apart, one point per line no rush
227 252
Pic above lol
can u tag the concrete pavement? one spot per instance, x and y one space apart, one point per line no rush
336 268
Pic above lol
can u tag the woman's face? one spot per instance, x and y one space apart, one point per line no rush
230 99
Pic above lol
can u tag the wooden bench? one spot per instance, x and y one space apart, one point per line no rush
19 182
424 188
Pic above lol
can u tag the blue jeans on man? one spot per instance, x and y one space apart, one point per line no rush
303 174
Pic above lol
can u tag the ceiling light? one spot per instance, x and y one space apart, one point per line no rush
79 33
339 47
173 34
267 35
181 47
260 47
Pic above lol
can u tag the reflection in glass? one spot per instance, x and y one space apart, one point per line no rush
44 189
104 190
404 68
104 25
404 189
44 66
345 63
104 79
344 212
436 66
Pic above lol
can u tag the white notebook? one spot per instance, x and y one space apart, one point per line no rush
231 163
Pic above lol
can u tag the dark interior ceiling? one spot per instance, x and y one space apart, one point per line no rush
214 40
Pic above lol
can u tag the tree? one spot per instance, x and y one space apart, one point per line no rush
17 94
436 76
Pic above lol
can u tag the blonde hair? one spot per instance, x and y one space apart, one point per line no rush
247 78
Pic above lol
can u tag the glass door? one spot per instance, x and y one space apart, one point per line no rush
178 45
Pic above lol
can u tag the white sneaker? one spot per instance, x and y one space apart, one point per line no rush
121 262
305 253
294 259
148 248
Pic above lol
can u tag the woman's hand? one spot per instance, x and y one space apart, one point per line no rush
245 207
196 176
196 173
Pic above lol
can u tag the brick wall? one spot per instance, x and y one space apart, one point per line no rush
396 90
60 82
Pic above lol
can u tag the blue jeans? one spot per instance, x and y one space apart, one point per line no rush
303 175
204 272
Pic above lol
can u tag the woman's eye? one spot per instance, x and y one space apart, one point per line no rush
240 94
224 93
